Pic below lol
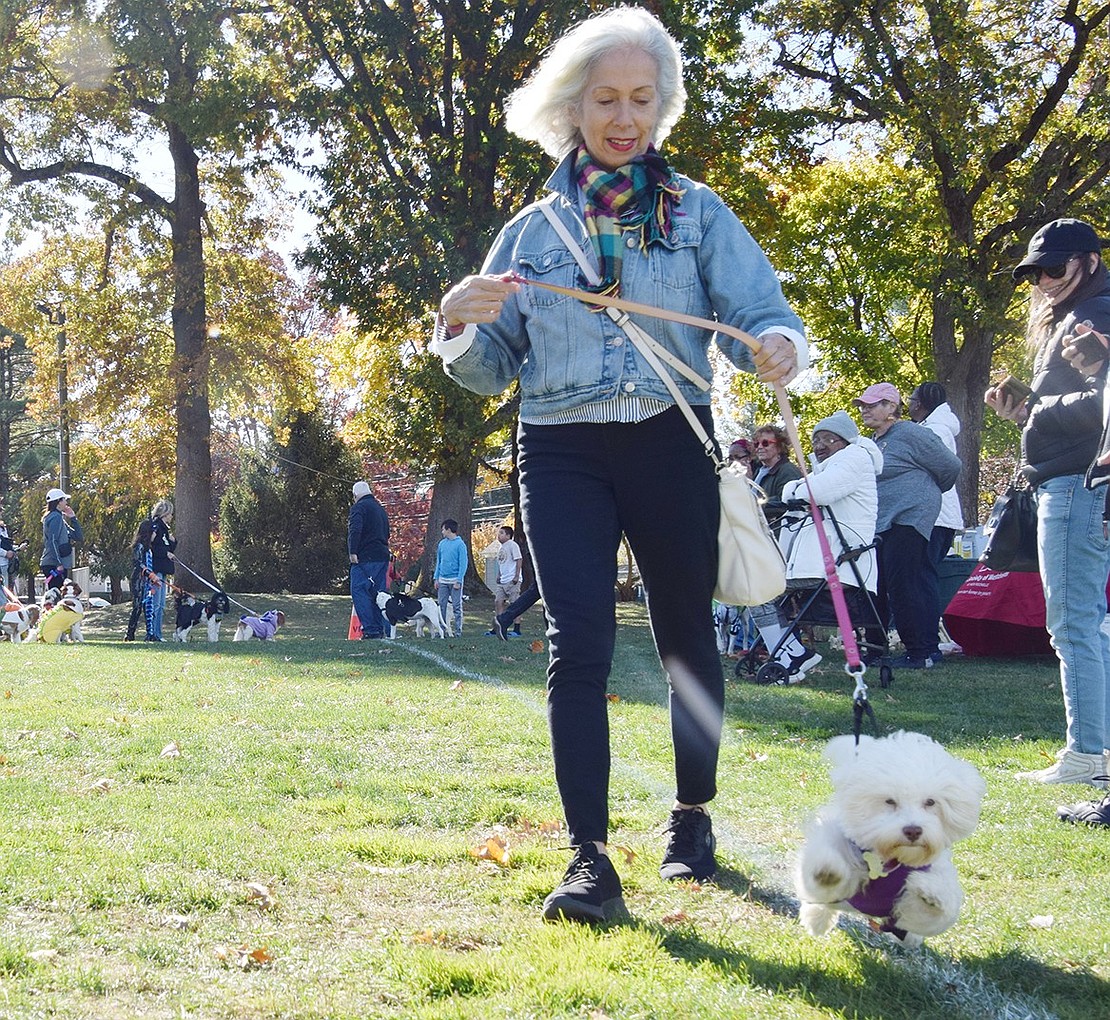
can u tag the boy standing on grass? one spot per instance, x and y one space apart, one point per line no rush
451 565
509 563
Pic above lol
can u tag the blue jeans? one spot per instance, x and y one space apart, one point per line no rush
449 593
367 579
157 608
1075 560
581 486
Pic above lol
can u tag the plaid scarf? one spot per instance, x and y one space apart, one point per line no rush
637 196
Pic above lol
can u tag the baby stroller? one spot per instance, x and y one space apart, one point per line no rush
811 603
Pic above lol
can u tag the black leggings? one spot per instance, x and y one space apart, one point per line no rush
581 486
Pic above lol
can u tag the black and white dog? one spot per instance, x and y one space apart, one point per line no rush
402 609
192 611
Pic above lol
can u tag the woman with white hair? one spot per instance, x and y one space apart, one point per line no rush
602 447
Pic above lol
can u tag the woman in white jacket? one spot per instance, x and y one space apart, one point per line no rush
928 405
843 479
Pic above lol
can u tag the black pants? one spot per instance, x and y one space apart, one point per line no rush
908 589
581 487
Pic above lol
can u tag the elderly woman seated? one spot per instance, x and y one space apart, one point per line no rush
843 480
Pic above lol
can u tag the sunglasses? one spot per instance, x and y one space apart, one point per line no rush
766 442
1034 273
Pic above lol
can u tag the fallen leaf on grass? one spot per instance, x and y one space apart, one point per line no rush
1042 920
171 750
757 756
102 785
614 698
536 646
457 685
626 852
3 759
243 956
493 849
69 734
261 893
678 917
506 658
43 955
7 694
179 922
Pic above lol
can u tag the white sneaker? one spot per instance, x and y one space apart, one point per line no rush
797 666
1071 767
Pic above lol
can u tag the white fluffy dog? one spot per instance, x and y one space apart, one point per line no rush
427 616
881 846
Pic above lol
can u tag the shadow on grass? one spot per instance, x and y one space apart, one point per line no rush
884 980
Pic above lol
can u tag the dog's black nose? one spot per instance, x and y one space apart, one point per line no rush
912 833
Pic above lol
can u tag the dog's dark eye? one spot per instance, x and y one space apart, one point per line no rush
930 802
892 802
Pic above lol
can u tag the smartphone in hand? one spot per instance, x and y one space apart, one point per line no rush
1089 346
1014 389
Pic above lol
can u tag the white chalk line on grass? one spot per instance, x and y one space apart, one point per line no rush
966 991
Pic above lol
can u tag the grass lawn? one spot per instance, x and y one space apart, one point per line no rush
291 830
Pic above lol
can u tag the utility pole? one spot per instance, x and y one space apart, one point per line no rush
56 316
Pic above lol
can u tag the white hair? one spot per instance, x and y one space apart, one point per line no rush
541 110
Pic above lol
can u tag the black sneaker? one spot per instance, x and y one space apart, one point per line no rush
590 889
1095 812
499 629
689 852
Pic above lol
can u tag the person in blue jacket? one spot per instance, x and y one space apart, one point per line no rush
61 531
368 549
452 561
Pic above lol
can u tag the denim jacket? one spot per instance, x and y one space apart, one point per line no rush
567 355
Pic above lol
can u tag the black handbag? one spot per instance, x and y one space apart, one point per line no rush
1011 529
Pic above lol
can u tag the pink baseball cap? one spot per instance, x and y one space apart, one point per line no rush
879 391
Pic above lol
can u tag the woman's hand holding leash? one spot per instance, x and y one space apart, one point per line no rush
477 299
776 360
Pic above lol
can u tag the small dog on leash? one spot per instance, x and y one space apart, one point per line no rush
61 612
881 846
421 613
264 627
192 611
18 621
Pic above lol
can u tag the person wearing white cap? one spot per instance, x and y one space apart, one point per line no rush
1062 422
368 549
61 531
917 468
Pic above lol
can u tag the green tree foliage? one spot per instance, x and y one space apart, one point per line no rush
997 116
420 175
283 521
85 89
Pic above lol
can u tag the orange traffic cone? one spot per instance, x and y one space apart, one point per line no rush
355 631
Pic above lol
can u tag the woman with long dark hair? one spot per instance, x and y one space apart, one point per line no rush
1062 421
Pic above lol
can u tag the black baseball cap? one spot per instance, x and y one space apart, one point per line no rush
1056 242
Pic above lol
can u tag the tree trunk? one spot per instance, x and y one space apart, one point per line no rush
452 497
193 480
965 374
